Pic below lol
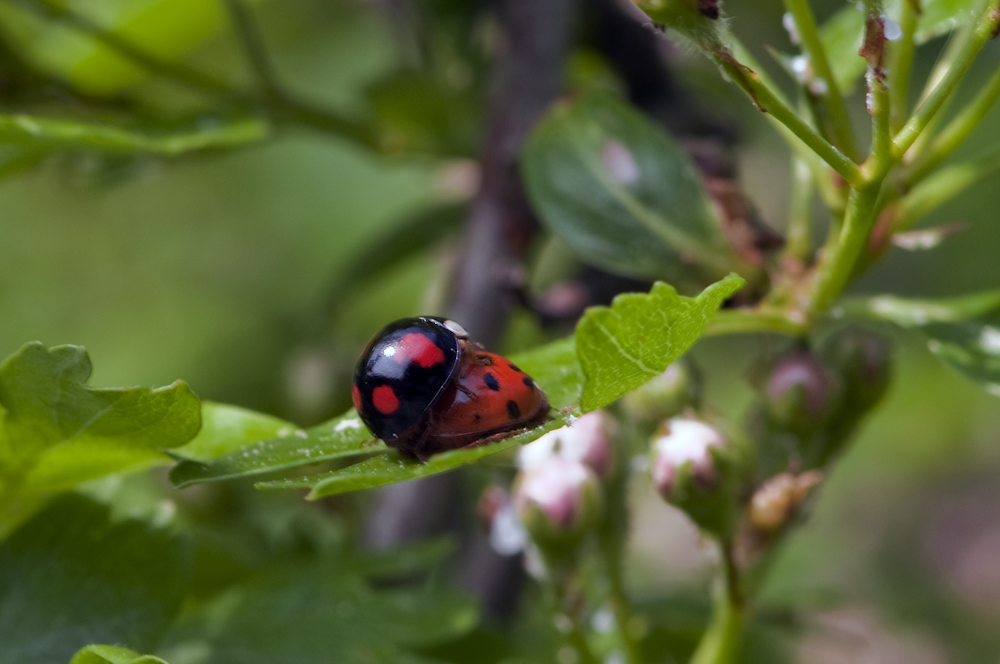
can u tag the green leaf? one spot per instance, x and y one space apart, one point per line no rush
554 367
53 133
910 313
393 467
622 194
70 577
841 36
56 432
940 17
963 331
164 29
326 612
252 444
623 346
112 655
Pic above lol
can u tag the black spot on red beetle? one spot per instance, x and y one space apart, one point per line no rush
513 410
491 382
385 399
527 381
477 417
514 367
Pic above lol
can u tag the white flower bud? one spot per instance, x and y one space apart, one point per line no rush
586 440
684 441
558 499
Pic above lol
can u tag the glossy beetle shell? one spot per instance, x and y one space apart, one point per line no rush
402 372
489 395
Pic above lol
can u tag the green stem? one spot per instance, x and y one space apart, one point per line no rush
798 242
720 642
286 108
832 99
35 131
621 608
743 321
969 48
881 159
248 32
611 540
943 186
839 258
900 64
768 102
956 131
568 624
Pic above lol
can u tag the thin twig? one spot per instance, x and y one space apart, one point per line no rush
984 26
288 109
252 41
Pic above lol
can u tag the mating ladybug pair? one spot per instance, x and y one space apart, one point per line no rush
423 387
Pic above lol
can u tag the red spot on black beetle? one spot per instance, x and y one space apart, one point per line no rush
418 348
385 400
513 410
356 397
491 382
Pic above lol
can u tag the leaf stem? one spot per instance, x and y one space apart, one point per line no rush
767 101
837 264
983 29
720 642
832 99
798 242
942 186
31 130
743 321
285 107
956 131
248 32
900 64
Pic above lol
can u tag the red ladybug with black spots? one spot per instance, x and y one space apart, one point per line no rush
423 387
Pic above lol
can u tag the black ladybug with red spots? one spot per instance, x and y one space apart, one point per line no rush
423 387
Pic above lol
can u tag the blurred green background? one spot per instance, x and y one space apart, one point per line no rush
216 269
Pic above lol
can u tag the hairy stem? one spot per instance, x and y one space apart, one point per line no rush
969 48
798 238
900 64
838 261
956 131
285 107
768 102
805 24
720 642
743 321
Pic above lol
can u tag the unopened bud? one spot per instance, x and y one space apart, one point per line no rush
587 440
777 501
801 393
665 395
681 442
697 469
863 360
558 501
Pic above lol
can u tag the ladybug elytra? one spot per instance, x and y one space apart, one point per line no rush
423 387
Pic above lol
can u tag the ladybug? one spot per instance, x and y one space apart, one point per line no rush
423 387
